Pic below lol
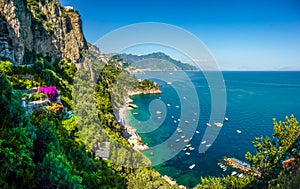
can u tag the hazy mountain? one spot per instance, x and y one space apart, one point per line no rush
157 61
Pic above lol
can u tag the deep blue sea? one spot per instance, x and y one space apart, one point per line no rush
253 99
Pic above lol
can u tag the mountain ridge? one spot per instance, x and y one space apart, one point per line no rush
156 61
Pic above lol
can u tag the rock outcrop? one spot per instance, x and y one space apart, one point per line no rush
40 27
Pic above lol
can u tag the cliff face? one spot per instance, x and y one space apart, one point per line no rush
29 27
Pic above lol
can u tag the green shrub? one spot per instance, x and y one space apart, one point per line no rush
6 67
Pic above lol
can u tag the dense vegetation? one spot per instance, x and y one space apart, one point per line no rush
44 150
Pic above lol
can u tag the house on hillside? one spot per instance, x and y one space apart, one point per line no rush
102 150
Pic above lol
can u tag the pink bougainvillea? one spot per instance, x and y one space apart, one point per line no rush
51 92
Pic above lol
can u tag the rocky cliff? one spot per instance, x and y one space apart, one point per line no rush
39 27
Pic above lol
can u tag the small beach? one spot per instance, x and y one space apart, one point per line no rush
129 132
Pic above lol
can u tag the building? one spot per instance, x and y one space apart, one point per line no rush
102 149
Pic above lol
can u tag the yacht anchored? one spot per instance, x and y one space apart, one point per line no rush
192 166
218 124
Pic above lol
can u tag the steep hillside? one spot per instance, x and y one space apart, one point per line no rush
42 145
39 27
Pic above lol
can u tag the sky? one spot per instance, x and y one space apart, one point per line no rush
240 34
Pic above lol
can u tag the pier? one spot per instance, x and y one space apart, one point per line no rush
241 166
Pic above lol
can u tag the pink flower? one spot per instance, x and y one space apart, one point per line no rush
51 92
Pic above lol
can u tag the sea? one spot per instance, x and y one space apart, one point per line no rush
250 100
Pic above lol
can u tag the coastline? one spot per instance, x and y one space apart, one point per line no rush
139 92
129 132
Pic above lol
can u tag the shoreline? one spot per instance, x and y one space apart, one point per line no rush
129 132
139 92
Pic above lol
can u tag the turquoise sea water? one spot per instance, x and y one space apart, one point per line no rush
253 100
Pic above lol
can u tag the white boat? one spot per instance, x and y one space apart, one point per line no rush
169 83
218 124
191 148
158 112
187 153
208 145
158 117
172 117
170 73
177 140
168 105
182 136
175 121
186 140
178 119
226 119
239 131
188 145
222 166
208 124
192 166
233 173
241 175
179 131
203 142
187 122
197 132
184 149
135 113
177 106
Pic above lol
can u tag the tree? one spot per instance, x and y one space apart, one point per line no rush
271 152
16 140
6 67
147 178
17 167
56 171
38 65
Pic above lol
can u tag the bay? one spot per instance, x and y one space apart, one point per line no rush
253 99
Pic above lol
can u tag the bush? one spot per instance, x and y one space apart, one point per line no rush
6 67
51 92
37 96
